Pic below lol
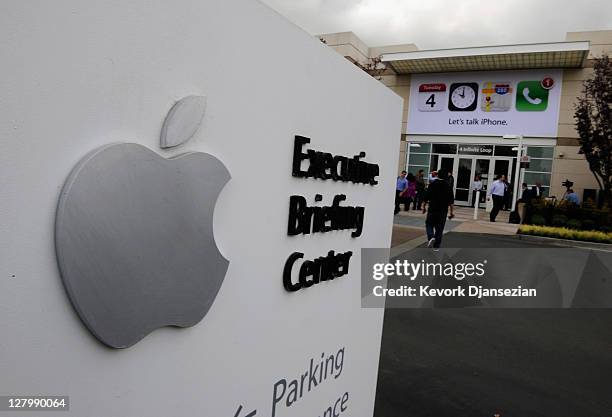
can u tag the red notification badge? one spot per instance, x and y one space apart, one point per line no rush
548 83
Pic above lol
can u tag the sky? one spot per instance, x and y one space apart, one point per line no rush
435 24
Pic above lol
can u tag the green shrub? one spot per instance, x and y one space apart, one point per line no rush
559 220
588 217
565 233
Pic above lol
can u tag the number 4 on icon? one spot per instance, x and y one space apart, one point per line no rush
431 97
431 100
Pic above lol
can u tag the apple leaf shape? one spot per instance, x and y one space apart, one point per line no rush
182 121
134 240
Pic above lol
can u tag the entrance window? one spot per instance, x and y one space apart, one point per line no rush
434 162
418 157
540 151
537 177
421 148
446 156
540 167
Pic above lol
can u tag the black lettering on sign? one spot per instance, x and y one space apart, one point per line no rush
312 272
321 219
324 165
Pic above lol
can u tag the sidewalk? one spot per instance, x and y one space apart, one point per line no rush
409 226
464 221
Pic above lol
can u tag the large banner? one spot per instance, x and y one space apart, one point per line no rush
486 103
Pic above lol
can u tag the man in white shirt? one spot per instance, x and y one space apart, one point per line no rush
497 190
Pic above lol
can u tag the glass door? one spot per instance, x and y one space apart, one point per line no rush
481 170
447 164
502 167
464 181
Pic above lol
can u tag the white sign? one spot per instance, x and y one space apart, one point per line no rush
486 103
260 348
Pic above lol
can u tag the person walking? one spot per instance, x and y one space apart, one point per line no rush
496 192
400 186
420 189
476 186
437 201
450 179
409 194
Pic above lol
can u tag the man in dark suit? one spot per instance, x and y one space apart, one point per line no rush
527 194
536 191
524 202
437 202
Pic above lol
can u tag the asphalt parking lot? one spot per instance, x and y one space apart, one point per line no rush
515 363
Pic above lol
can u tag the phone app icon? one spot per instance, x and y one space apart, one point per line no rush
531 96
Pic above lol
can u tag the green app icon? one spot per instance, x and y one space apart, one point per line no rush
531 96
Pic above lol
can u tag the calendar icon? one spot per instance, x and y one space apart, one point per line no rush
432 97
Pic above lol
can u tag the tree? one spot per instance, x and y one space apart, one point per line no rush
374 66
593 114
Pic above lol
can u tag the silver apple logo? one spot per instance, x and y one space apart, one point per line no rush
134 234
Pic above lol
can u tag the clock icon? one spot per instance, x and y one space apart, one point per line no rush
463 97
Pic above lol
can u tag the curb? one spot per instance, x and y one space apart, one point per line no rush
566 242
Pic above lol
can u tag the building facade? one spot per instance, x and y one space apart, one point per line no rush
465 108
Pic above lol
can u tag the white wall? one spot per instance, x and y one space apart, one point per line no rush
77 75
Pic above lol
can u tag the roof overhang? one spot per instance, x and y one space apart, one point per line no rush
490 58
